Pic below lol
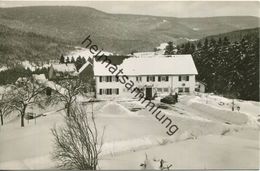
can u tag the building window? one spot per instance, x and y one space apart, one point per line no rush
138 79
187 89
114 79
108 78
159 90
165 90
180 89
150 78
184 78
109 91
163 78
115 91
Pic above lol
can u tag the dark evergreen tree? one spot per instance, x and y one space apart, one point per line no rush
228 68
226 41
72 60
62 59
78 62
169 50
199 45
220 41
67 60
83 61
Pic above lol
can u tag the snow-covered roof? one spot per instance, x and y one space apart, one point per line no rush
21 79
64 67
200 82
84 66
39 76
158 65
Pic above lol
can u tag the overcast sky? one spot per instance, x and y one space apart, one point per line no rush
165 8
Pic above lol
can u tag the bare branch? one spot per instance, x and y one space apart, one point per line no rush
76 143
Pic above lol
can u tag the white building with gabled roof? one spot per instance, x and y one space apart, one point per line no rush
159 75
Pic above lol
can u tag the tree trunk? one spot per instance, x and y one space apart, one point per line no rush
22 120
22 115
68 110
2 119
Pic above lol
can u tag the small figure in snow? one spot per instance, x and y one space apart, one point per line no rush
238 108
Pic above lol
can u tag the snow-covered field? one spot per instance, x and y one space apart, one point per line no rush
210 135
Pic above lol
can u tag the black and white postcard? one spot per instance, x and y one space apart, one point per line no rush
129 85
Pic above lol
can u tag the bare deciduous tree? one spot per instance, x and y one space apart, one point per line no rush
27 92
5 103
67 92
76 143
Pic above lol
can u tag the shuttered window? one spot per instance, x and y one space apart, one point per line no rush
109 78
109 91
184 78
180 89
163 78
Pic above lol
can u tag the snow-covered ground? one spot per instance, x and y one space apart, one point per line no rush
3 68
188 39
84 52
32 66
250 109
210 136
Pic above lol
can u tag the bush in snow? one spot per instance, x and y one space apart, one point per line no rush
76 144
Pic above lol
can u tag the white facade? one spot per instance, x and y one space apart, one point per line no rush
162 88
162 80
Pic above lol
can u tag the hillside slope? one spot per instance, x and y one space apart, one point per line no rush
235 35
16 45
116 32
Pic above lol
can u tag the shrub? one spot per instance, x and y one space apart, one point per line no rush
76 144
170 99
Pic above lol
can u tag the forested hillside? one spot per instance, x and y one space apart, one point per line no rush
16 45
228 67
235 35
